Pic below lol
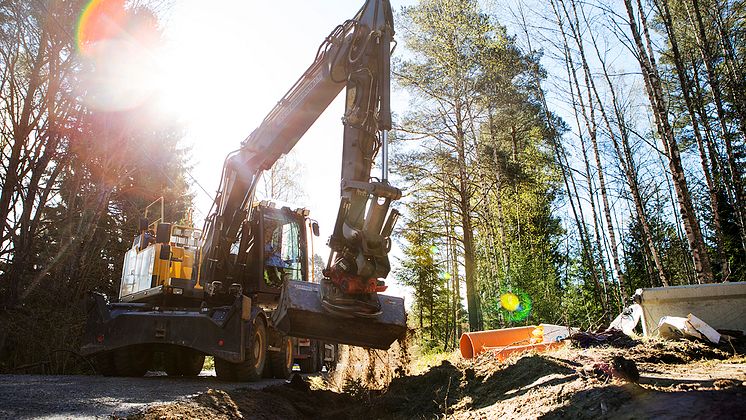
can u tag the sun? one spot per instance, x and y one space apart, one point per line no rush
191 62
216 69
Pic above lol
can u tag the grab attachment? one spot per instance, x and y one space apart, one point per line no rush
300 314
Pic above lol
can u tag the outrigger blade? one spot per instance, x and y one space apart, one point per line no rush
301 314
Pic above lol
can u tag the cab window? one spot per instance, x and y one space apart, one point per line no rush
282 252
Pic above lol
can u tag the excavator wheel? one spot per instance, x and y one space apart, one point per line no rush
282 361
252 368
183 362
267 372
104 364
132 361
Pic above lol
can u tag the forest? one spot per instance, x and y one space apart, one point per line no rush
75 177
566 152
593 149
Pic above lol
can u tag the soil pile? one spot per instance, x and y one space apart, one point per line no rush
672 380
368 368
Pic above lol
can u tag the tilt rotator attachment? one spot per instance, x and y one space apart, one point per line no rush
300 314
346 307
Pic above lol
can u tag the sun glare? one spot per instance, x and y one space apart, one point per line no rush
202 60
188 67
218 68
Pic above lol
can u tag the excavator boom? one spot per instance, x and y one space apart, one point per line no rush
345 307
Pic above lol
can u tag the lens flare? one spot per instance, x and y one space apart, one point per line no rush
509 302
118 47
515 305
100 20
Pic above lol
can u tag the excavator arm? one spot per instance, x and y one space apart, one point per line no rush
356 57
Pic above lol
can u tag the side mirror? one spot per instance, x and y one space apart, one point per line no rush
315 228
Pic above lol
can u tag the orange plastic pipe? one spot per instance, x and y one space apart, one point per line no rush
474 343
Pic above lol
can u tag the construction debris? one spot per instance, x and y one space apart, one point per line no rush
617 368
610 337
674 327
721 305
627 320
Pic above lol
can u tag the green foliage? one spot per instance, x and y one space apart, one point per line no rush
640 271
420 271
87 175
478 157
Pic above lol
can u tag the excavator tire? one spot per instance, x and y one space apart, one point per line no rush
132 361
104 364
282 361
183 362
224 370
267 372
256 357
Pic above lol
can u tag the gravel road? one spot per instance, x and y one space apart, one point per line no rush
68 396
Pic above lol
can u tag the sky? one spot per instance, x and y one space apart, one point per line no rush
228 64
219 67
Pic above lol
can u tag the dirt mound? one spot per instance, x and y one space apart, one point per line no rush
213 404
421 396
675 352
294 400
668 352
371 369
569 383
290 401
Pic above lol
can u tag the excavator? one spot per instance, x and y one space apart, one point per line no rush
241 289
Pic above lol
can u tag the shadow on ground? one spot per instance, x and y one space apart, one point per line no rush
630 401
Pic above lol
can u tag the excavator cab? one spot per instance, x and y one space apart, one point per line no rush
272 261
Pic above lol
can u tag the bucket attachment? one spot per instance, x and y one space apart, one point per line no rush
300 314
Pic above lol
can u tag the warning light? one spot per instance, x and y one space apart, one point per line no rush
221 342
100 338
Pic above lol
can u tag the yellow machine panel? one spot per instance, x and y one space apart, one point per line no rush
149 265
178 264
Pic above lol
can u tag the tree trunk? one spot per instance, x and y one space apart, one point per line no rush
600 168
734 170
653 87
623 152
472 293
686 87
